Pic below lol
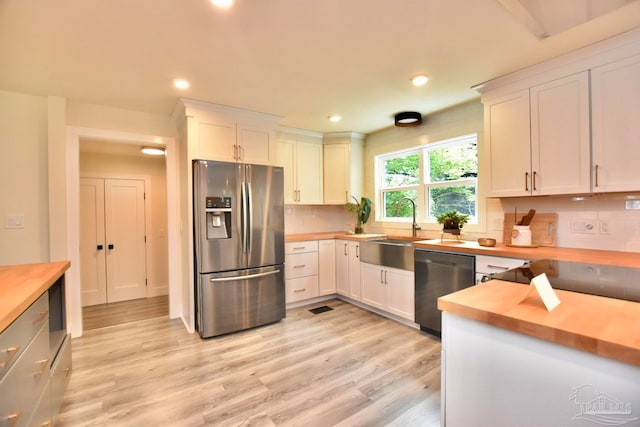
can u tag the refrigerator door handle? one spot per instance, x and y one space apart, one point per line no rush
250 276
243 225
249 208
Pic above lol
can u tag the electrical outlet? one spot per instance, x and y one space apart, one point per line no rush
583 226
498 224
604 227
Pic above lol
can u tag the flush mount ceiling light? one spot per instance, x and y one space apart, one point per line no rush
419 80
408 118
181 84
153 151
335 118
224 4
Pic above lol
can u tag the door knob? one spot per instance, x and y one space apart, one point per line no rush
109 246
100 247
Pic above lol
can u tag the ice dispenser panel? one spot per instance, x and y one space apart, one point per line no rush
219 212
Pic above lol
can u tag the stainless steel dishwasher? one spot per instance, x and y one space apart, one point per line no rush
437 274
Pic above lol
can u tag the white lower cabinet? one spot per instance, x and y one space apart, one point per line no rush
301 270
326 267
348 268
389 289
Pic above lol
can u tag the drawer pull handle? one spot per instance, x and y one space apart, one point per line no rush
300 266
300 290
298 248
42 362
499 267
13 418
11 351
43 315
46 424
67 372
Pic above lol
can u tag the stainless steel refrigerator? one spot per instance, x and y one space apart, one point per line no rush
239 246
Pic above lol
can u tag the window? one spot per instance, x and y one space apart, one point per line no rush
438 177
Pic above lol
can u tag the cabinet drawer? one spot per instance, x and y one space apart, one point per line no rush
301 265
302 288
26 380
17 336
42 415
492 264
60 374
301 247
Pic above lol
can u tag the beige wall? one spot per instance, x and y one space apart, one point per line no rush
23 178
462 120
102 165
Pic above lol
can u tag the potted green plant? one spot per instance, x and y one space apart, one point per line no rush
452 221
362 210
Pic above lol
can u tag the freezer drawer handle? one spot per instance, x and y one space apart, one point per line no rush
499 267
250 276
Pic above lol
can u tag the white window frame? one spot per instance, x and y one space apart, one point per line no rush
422 188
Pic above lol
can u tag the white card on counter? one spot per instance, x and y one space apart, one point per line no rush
541 284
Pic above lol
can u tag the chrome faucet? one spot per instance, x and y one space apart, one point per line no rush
414 227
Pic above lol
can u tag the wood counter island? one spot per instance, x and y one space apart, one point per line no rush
35 349
507 362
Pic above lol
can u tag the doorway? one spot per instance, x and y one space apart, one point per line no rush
123 223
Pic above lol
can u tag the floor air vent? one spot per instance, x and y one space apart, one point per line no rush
320 309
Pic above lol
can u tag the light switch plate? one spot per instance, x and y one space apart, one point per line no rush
14 221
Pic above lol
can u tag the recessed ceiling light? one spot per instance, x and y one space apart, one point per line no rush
419 80
153 151
335 118
222 3
181 83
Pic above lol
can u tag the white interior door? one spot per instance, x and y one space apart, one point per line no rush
125 233
93 275
112 240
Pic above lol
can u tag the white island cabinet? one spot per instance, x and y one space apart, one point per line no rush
507 361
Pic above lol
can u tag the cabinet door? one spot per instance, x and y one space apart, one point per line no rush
342 267
615 126
327 267
373 285
560 150
354 270
509 144
309 172
217 140
254 145
286 157
400 293
336 173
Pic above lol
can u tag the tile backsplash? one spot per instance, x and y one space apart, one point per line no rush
299 219
594 222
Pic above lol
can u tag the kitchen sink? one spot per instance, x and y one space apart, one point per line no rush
394 253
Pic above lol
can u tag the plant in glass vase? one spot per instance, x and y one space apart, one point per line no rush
452 222
362 210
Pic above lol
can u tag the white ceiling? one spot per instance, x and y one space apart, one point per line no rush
300 59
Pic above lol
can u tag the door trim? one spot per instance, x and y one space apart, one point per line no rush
70 194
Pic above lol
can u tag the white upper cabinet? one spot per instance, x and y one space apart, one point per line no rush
343 168
615 103
539 139
228 134
568 125
301 157
560 155
508 144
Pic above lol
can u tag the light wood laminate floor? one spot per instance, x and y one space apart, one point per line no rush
345 367
103 315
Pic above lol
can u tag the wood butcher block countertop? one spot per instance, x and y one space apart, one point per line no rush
21 285
331 235
604 326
